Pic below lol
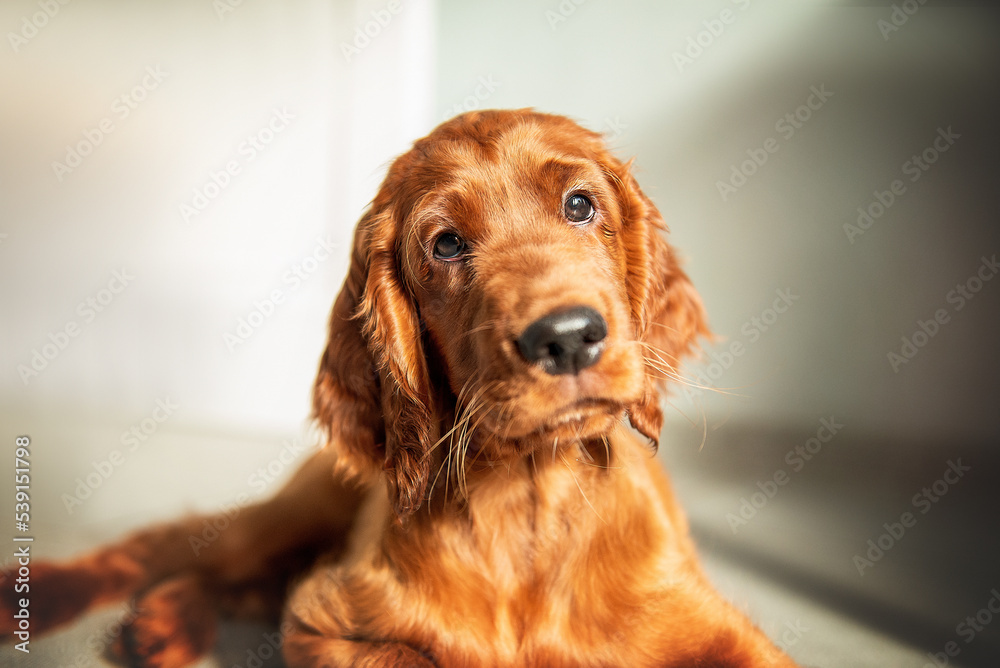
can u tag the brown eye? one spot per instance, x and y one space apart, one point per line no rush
449 246
578 208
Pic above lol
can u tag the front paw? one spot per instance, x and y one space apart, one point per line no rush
173 625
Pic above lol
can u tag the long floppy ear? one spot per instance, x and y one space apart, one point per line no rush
666 309
372 393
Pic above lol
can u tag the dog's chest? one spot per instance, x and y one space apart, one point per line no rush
527 566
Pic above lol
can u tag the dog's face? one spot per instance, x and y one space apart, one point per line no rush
510 290
518 267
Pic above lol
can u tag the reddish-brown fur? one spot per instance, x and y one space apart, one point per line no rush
481 512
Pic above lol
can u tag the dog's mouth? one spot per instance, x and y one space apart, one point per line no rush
578 416
581 420
514 414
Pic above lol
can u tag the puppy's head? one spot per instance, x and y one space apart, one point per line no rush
510 289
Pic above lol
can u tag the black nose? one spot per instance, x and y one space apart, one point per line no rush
566 341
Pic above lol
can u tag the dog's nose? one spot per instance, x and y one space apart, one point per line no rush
566 341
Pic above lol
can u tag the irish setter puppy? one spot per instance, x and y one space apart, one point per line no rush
489 495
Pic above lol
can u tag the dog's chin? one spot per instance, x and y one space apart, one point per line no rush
583 421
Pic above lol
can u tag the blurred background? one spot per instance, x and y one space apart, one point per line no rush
179 182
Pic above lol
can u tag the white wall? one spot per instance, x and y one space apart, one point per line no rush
610 65
328 118
614 66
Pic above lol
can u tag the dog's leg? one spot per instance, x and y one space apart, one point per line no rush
319 625
716 635
60 592
306 650
742 645
260 549
170 626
